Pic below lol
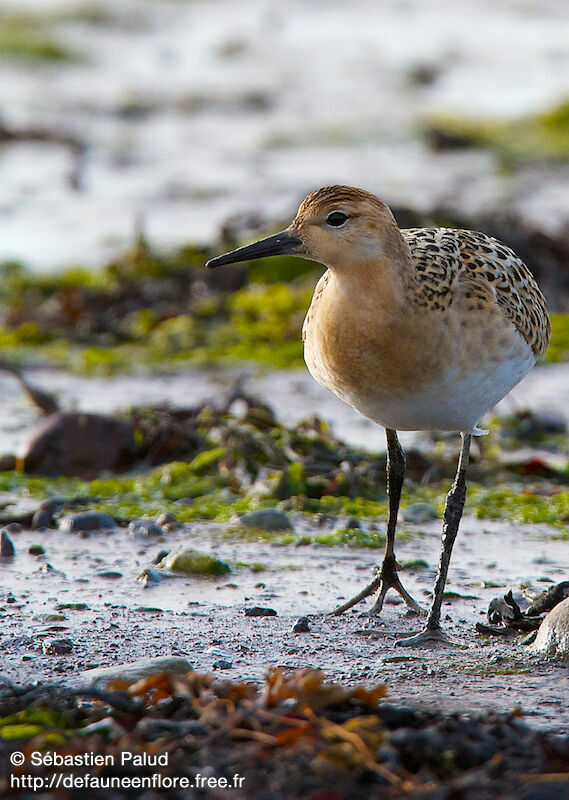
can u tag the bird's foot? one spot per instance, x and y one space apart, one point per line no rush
391 581
426 638
387 579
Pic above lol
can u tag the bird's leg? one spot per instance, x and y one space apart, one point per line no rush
387 577
451 520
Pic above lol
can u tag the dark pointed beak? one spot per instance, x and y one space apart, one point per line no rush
280 244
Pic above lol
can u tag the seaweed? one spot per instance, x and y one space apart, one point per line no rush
540 137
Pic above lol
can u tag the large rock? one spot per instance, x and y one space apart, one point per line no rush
79 445
553 634
136 670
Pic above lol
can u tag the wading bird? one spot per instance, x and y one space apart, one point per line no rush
417 329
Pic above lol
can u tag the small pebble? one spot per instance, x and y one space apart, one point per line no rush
354 523
42 519
166 519
258 611
419 512
222 664
149 577
270 519
36 550
14 527
159 556
301 625
57 647
144 528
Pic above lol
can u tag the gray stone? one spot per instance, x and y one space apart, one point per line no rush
135 670
167 518
301 625
14 527
160 556
269 519
144 528
86 521
7 549
553 635
149 577
222 663
57 647
42 519
259 611
419 512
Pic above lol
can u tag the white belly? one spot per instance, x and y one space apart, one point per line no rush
455 401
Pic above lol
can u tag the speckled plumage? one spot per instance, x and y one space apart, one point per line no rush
489 271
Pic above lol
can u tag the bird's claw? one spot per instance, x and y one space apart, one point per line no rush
426 638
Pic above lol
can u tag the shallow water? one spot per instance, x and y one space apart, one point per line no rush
293 395
194 111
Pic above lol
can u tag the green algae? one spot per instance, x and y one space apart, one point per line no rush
542 136
416 563
519 505
257 323
20 731
206 459
194 562
559 346
352 537
32 722
207 496
282 269
26 37
170 325
264 324
242 337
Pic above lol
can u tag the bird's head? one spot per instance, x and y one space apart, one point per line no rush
339 226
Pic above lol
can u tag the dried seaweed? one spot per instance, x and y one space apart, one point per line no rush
296 737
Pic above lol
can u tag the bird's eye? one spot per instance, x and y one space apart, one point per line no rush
336 219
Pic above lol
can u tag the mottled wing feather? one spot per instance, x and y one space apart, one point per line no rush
484 270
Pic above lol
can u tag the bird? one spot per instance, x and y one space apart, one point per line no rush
418 329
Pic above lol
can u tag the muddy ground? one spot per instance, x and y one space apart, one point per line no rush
203 619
